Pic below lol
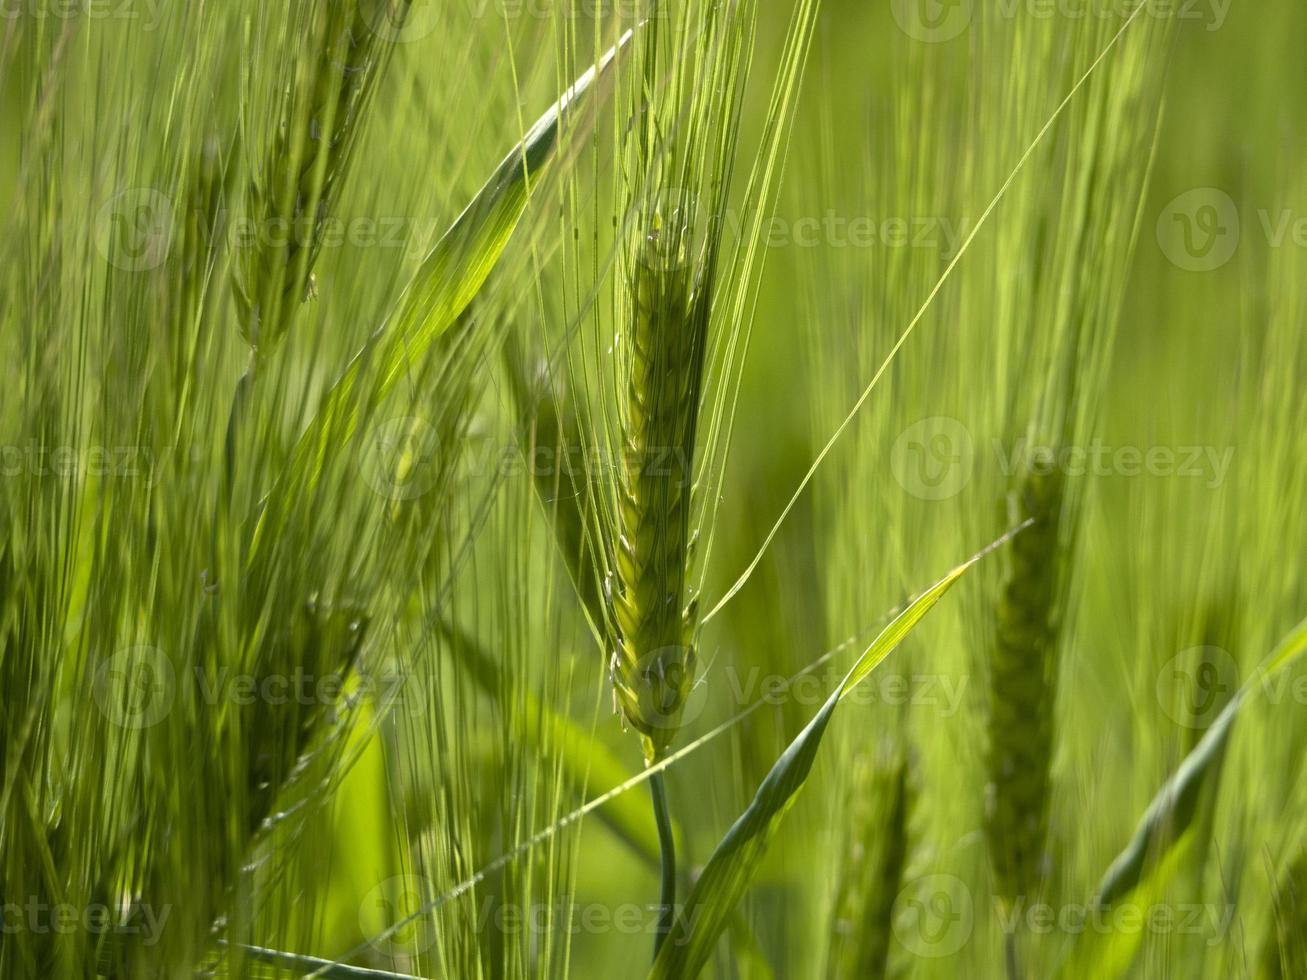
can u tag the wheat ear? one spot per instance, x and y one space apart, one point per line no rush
653 660
331 81
871 876
1023 685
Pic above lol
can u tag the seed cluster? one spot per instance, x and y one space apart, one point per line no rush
653 660
1023 685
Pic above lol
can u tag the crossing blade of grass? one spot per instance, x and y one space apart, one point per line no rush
1166 830
327 969
731 868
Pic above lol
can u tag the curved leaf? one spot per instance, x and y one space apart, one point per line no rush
729 871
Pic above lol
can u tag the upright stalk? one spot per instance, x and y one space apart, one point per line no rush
667 855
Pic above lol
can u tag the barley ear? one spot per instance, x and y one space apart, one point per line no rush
653 660
871 875
292 193
1023 686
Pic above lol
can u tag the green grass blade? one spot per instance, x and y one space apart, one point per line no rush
729 871
327 969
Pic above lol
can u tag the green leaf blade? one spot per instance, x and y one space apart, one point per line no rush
730 870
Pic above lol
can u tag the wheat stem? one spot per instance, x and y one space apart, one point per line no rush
667 855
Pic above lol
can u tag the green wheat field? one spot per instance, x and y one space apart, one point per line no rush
653 488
